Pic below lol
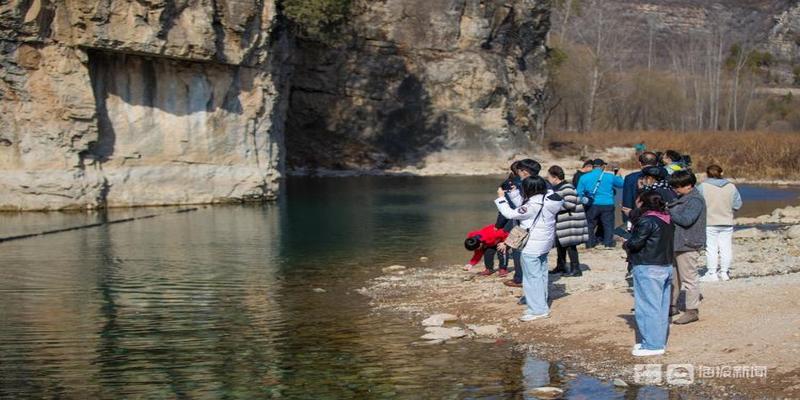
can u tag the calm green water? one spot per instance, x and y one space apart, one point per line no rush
219 303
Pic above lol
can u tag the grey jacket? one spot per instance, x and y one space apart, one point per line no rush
571 226
688 213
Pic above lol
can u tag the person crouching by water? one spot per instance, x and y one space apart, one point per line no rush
537 214
650 249
484 244
571 226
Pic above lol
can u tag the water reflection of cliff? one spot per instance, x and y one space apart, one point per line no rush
221 302
175 308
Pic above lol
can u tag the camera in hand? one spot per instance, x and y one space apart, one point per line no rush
507 185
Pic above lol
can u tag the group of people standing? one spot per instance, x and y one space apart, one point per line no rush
550 213
669 218
571 226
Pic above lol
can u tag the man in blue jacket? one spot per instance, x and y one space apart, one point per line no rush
630 186
600 185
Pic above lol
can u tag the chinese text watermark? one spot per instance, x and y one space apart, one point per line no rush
685 374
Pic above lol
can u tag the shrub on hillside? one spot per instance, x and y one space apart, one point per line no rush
318 20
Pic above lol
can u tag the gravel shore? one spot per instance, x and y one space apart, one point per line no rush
751 320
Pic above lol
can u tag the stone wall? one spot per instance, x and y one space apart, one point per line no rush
122 103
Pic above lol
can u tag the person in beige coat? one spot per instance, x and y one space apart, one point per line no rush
722 200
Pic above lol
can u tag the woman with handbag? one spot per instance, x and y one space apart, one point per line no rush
520 170
534 236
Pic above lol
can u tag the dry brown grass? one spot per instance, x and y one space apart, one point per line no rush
750 155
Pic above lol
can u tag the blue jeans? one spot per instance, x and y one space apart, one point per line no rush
534 283
652 286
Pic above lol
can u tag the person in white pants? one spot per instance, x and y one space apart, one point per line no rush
722 199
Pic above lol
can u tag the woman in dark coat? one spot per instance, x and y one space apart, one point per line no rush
650 249
571 226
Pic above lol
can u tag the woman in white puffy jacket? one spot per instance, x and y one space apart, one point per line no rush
536 212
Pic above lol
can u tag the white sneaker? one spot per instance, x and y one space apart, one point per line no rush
640 352
637 346
533 317
724 276
709 277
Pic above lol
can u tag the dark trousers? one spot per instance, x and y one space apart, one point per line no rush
563 252
603 216
488 258
517 256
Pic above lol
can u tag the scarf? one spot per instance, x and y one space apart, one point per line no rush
658 185
660 215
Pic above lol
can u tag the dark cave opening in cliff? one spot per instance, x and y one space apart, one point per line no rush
370 112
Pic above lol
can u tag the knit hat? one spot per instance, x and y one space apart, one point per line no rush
655 172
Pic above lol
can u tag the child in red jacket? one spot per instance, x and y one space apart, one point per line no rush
484 243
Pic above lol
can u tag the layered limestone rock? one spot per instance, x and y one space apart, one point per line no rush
121 103
784 38
413 80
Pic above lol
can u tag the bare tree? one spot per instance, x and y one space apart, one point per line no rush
564 11
703 86
739 58
606 43
713 70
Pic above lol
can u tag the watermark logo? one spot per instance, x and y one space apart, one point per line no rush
680 374
685 374
647 374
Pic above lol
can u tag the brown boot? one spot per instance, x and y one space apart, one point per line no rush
673 311
511 283
688 317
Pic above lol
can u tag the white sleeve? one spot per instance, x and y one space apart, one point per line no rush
515 197
525 211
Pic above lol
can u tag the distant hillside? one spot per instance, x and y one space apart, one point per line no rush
772 26
680 65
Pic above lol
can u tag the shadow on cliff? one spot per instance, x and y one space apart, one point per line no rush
133 93
359 108
412 130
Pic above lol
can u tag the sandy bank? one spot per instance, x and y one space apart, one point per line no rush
752 320
458 165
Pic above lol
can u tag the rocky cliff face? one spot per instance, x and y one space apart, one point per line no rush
124 102
784 37
412 79
119 103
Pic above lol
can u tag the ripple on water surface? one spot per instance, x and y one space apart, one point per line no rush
219 303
